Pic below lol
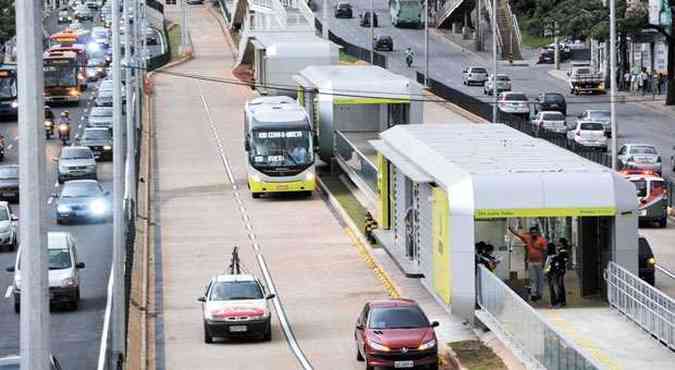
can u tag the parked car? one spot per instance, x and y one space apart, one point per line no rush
7 227
588 135
9 183
552 121
82 200
64 17
395 333
513 103
646 261
64 271
593 115
343 9
365 19
502 84
14 362
639 157
547 55
383 43
236 306
475 75
550 102
76 163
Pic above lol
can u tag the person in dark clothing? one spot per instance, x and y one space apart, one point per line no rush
556 274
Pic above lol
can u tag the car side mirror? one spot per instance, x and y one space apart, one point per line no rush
201 299
11 269
434 324
80 265
14 218
270 296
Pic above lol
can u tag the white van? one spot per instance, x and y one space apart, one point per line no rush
64 272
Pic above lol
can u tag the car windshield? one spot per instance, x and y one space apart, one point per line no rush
583 71
80 190
592 126
235 290
554 116
101 112
640 187
642 150
503 78
79 153
281 148
599 115
515 97
553 98
4 214
8 87
59 259
478 70
96 135
397 318
9 173
344 6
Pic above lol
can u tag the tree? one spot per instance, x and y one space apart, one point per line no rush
7 20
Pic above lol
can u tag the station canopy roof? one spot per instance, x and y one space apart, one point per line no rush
494 171
293 45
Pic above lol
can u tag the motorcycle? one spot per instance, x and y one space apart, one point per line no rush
64 132
409 60
49 129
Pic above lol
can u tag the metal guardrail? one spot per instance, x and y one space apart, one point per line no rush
351 49
645 305
526 328
354 161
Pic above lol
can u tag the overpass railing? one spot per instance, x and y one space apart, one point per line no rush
526 329
645 305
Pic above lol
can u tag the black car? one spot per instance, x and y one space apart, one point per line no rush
343 10
82 200
547 56
99 140
646 261
550 102
9 183
383 43
365 19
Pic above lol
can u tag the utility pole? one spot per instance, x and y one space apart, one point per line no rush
494 59
426 43
612 77
372 32
183 26
556 54
130 59
119 251
324 26
479 33
34 320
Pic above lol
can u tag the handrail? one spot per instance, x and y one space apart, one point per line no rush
514 25
665 271
340 132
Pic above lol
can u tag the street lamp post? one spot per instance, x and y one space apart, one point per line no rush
612 78
372 32
494 59
324 26
426 43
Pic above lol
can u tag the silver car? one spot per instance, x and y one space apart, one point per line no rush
601 116
514 103
639 157
76 162
502 84
475 75
551 120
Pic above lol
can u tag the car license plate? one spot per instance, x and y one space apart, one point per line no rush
282 187
8 194
403 364
238 328
643 212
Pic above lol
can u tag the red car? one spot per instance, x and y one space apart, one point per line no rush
395 333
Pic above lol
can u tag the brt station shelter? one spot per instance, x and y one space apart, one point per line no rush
444 188
349 105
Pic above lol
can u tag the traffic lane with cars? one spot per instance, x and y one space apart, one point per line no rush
636 122
75 335
662 241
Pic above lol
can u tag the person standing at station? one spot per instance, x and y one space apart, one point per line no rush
536 246
559 268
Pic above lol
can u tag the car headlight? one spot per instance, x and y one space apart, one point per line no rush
107 147
255 178
62 208
48 123
98 207
379 347
15 104
68 282
427 345
651 261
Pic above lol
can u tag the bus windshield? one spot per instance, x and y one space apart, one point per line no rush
272 148
7 87
60 75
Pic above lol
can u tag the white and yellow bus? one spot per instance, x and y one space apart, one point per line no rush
279 143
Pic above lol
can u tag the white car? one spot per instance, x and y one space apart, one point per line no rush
236 306
552 121
589 135
513 103
75 163
7 227
64 271
475 75
503 84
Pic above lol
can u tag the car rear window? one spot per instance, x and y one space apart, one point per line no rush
397 318
599 115
583 71
79 153
478 70
553 98
592 126
553 116
642 150
503 78
515 97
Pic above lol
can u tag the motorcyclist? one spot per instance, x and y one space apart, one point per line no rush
49 122
64 126
2 147
409 55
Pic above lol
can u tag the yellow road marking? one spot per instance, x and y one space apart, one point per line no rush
381 275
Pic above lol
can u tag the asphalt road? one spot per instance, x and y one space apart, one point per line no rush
74 335
637 122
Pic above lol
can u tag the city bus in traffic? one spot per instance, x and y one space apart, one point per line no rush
279 142
63 77
652 192
406 13
8 92
65 38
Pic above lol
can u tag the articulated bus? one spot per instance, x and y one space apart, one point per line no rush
652 191
279 141
8 92
64 80
406 13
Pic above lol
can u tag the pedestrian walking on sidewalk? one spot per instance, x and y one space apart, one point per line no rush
626 81
644 81
536 246
659 83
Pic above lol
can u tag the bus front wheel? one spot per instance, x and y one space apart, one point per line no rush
255 195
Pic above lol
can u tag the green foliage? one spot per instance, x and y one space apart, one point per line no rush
7 22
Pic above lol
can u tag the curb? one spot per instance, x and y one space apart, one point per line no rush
474 118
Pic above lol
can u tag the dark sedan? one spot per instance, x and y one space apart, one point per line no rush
646 262
343 10
99 140
82 200
365 19
9 183
547 102
383 43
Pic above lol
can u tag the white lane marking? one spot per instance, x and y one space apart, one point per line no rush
10 290
278 307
